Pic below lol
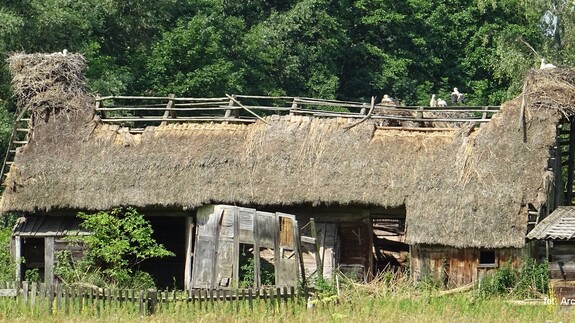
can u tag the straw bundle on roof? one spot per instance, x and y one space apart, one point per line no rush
49 83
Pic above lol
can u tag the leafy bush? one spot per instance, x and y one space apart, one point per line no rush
531 280
119 241
498 282
7 263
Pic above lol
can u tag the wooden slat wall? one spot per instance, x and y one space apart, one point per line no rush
456 266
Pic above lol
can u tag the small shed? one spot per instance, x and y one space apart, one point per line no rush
557 231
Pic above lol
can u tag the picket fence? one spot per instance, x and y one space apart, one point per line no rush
81 299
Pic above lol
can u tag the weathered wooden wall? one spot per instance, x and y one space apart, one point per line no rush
562 260
223 229
455 266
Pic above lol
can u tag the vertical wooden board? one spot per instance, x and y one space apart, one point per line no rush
224 264
246 223
266 226
18 256
329 234
188 256
204 262
226 259
205 247
49 260
287 273
286 232
227 223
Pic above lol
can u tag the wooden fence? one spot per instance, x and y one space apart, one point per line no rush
67 299
137 111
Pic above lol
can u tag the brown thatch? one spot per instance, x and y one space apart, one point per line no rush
48 84
464 189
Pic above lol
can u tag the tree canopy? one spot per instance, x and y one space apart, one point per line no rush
343 49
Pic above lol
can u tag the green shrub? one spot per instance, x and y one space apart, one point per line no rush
533 279
119 241
498 282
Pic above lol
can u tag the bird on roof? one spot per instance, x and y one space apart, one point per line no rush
457 97
441 102
545 65
65 52
387 100
433 101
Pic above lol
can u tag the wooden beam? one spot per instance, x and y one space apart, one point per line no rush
190 226
168 113
18 257
318 262
245 108
571 162
415 129
49 260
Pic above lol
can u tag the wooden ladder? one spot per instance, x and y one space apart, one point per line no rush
18 138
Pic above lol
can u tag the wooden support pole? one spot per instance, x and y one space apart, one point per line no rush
248 110
18 257
571 162
169 113
190 226
49 260
229 111
318 262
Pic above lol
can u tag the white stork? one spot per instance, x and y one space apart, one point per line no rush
546 66
433 101
457 97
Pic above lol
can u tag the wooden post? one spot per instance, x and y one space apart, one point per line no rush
49 260
419 113
294 106
229 111
18 256
236 246
571 162
484 115
168 113
152 301
190 226
257 265
319 267
250 299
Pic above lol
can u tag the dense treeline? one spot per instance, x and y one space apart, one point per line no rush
344 49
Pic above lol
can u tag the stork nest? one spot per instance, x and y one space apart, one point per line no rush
45 83
551 89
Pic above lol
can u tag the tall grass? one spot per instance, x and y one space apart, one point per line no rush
390 297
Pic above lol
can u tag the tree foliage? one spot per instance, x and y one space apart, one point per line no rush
343 49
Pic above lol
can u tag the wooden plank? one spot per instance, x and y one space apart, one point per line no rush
318 262
236 245
168 113
8 292
179 119
49 260
18 257
190 226
422 129
571 162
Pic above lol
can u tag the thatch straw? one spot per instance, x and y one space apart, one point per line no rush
463 189
48 84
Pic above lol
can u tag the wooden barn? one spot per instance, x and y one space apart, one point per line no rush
361 188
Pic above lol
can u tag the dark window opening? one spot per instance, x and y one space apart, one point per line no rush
487 258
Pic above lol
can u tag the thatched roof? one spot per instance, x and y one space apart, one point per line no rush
464 189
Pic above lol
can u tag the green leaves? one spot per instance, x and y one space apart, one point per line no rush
119 240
